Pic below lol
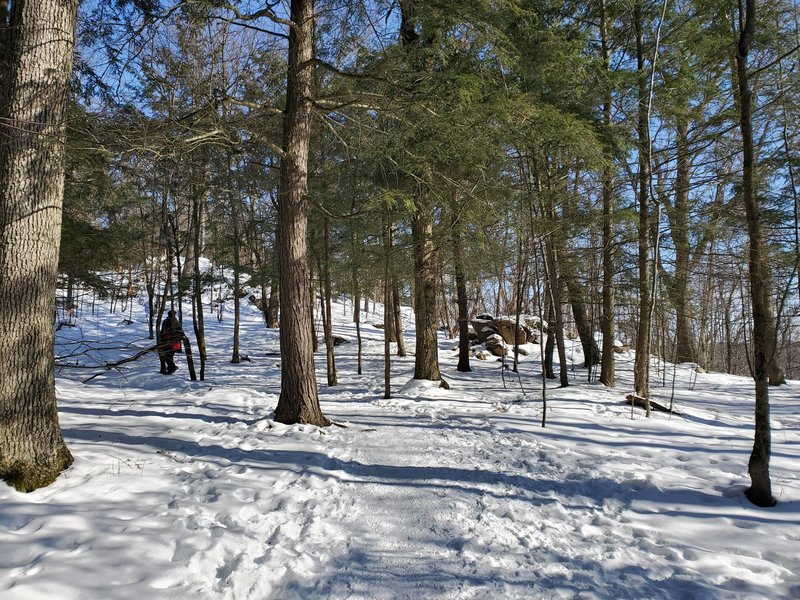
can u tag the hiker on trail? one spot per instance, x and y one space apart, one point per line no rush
171 338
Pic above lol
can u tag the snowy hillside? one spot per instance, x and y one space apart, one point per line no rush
190 490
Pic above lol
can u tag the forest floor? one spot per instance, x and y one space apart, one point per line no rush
190 490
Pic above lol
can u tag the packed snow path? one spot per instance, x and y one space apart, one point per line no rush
184 490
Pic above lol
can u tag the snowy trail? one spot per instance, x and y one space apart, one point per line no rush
190 490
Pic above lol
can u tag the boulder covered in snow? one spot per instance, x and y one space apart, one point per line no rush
506 329
483 328
535 324
496 345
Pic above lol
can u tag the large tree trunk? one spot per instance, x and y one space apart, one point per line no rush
38 40
299 400
760 490
426 358
641 367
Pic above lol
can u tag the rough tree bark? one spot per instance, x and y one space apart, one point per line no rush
299 400
38 39
426 358
760 490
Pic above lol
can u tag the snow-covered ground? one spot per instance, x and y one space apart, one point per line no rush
190 490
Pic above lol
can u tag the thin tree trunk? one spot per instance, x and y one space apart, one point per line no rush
538 278
557 326
550 345
522 284
398 319
264 303
150 263
274 287
273 304
727 303
681 292
461 297
607 324
313 296
173 237
236 266
356 297
299 400
35 70
197 313
582 323
357 321
387 319
760 490
326 290
70 300
641 368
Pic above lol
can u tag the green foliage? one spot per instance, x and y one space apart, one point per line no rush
94 234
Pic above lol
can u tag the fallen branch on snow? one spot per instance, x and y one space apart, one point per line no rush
642 403
113 365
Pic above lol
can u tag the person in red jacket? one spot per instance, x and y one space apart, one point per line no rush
171 338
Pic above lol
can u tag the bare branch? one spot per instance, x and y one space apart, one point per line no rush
267 12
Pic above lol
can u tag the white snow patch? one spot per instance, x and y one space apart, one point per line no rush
190 489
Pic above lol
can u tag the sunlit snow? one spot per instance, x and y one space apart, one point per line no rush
191 490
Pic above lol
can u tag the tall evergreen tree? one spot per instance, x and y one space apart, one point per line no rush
299 400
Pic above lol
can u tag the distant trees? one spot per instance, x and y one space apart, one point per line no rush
36 45
499 157
393 107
